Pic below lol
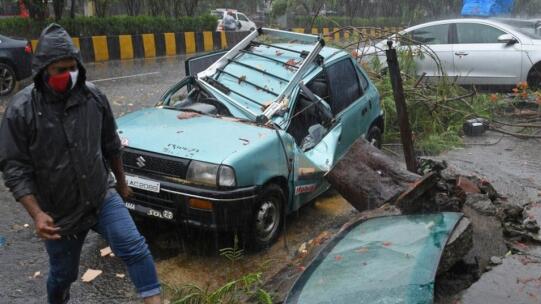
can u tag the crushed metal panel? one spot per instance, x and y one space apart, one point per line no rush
383 260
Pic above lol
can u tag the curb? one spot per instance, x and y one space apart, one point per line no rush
151 45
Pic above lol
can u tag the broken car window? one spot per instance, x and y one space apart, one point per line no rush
195 100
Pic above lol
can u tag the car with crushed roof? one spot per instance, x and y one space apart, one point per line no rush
247 137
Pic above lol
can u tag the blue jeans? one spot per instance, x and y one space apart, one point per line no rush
116 226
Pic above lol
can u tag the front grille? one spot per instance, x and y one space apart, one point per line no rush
162 199
155 164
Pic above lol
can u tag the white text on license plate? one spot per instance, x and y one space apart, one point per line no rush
143 184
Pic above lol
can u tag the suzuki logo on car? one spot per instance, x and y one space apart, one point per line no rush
140 162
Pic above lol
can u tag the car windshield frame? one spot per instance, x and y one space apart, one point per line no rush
525 27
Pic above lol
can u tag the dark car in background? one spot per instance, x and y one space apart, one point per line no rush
15 62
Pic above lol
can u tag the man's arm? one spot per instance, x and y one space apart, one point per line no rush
16 164
112 148
45 227
121 186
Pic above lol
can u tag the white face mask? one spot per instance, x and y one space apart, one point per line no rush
74 77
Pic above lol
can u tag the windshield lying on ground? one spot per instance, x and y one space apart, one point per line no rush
383 260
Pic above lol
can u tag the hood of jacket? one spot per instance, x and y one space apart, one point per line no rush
54 44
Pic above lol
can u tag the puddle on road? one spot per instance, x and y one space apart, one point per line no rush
197 261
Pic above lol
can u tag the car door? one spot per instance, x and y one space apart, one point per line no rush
244 21
481 59
348 102
434 53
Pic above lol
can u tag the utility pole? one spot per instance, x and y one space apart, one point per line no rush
401 107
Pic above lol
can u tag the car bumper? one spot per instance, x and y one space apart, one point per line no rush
229 209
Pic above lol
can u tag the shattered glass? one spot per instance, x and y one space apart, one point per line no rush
383 260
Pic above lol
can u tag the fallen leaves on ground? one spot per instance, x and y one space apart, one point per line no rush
106 251
90 275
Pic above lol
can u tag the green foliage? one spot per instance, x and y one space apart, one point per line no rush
89 26
321 21
233 292
437 110
247 286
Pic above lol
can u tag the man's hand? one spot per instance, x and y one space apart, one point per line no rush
124 191
45 227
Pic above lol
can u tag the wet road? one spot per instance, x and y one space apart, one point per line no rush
514 166
131 85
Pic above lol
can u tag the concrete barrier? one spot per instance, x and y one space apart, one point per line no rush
150 45
122 47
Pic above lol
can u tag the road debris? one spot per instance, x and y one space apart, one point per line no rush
36 274
106 251
90 275
120 275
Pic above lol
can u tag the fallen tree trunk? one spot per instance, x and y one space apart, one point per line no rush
368 179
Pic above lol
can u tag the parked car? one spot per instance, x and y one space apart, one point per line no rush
15 62
244 23
206 157
392 259
474 51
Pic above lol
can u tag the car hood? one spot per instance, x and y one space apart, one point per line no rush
202 138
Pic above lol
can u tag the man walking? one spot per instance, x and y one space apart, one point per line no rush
58 146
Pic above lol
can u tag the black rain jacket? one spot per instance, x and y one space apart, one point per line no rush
55 146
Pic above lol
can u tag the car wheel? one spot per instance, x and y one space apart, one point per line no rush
267 218
375 137
7 79
534 77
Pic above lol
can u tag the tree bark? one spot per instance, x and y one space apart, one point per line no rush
58 6
72 9
368 179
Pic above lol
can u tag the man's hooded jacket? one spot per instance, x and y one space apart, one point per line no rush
56 146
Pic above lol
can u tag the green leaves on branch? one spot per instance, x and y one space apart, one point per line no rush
91 26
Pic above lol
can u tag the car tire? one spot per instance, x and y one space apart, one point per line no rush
7 79
375 137
267 218
534 77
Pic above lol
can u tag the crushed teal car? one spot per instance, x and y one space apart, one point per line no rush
387 260
248 135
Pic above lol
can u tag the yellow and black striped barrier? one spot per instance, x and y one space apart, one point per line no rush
122 47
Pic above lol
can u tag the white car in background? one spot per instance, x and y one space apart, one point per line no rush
244 23
473 51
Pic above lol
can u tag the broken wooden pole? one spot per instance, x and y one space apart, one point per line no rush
401 108
368 179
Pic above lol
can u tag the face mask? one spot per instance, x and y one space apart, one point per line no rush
60 82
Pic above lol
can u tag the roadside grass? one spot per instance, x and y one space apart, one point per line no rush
236 290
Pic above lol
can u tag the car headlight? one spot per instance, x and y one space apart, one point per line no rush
226 177
211 174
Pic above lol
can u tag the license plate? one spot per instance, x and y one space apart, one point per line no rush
161 214
143 184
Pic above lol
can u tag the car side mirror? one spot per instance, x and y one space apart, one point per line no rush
508 39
